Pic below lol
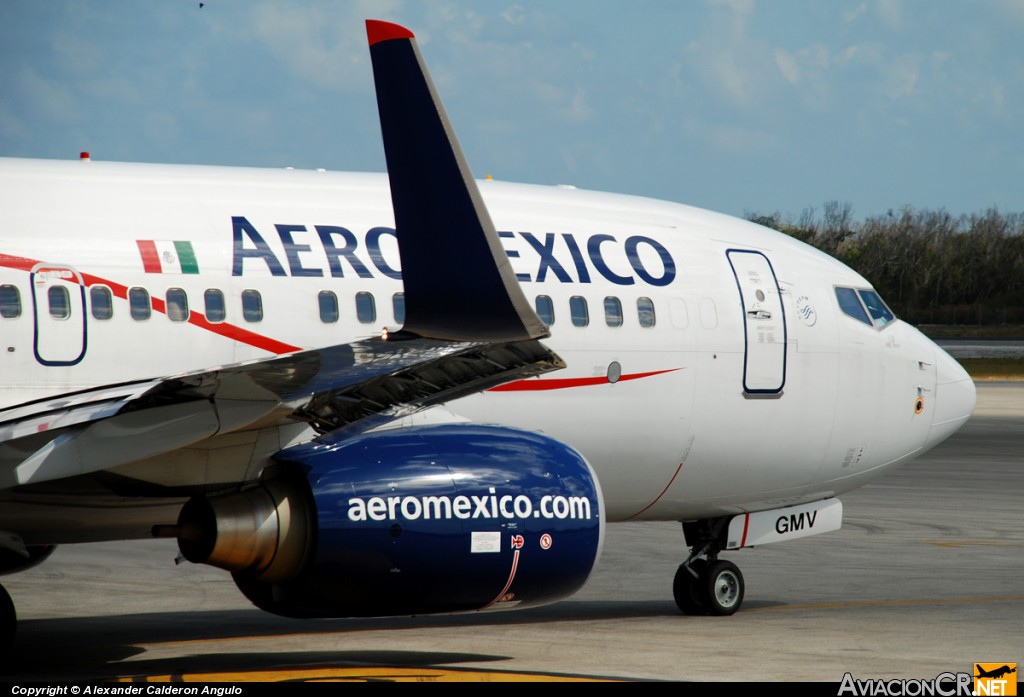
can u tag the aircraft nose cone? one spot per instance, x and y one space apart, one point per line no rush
955 397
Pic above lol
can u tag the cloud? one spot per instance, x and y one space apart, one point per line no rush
891 13
47 98
901 76
810 71
306 38
577 110
741 68
523 48
514 14
82 56
11 128
739 8
854 13
788 66
161 127
733 138
1013 9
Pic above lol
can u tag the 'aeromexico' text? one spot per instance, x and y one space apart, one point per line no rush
487 506
330 250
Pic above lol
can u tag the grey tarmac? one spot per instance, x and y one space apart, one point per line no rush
925 577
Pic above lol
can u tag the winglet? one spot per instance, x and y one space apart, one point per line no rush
459 284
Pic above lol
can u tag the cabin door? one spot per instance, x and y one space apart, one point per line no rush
764 322
58 300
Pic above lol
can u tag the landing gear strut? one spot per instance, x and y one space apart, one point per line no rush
8 624
705 584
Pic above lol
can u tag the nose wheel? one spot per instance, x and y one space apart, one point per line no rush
708 588
723 584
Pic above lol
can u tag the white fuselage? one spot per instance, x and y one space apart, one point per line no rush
750 389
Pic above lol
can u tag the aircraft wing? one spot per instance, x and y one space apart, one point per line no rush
351 386
468 324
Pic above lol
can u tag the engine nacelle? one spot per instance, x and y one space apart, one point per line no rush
429 519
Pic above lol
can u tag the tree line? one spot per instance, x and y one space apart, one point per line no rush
930 266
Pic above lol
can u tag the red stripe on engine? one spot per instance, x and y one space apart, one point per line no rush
508 584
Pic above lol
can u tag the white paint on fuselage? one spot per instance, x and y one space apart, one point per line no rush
678 445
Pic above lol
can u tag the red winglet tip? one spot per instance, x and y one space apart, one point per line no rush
378 30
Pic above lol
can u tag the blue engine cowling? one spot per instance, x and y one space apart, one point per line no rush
437 519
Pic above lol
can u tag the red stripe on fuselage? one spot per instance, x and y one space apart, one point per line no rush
533 385
197 319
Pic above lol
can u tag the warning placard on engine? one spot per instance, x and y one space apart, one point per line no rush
484 542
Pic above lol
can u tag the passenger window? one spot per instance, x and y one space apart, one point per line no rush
252 306
328 306
398 307
60 302
850 304
578 311
213 299
138 303
545 309
177 305
645 309
10 302
880 314
366 308
612 311
102 302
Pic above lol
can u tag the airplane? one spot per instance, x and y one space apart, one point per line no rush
996 672
370 395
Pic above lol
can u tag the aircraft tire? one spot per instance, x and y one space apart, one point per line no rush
723 588
688 591
8 624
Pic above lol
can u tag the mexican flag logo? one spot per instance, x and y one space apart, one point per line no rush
166 256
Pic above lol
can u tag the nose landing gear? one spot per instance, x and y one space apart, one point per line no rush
702 588
705 584
8 624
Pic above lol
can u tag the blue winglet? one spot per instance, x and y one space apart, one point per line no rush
459 284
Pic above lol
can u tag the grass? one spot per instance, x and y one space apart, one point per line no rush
983 368
972 331
994 368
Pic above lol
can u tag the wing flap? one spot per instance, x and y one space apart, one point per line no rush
336 389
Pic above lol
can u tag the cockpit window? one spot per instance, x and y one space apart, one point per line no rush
850 304
880 314
859 304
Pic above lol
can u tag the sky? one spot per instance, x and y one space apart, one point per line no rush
741 106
